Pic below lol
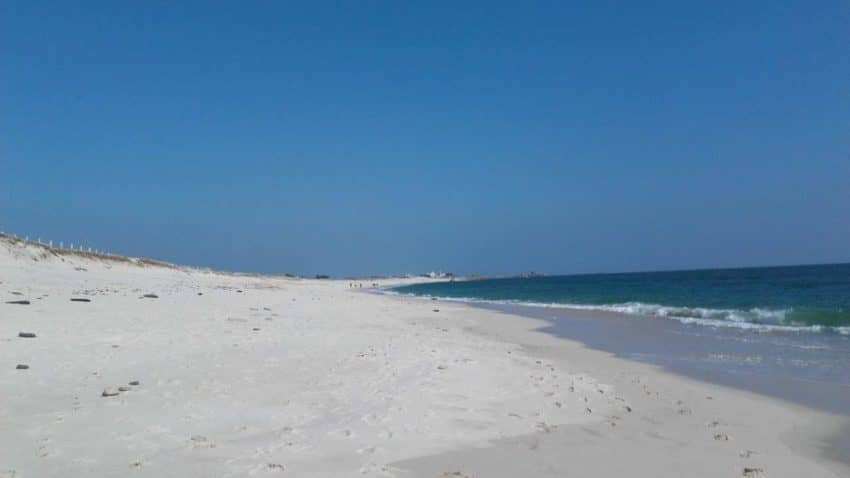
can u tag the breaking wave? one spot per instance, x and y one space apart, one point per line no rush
758 319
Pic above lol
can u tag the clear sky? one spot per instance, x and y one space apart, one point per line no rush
386 137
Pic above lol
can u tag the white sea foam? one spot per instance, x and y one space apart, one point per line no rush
756 319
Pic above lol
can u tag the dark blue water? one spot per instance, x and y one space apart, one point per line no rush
810 298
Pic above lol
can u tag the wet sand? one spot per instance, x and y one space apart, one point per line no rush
812 370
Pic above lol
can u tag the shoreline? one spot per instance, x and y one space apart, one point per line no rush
818 434
686 349
251 375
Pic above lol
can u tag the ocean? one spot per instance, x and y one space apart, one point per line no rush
798 298
768 329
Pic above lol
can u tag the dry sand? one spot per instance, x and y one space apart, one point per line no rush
241 375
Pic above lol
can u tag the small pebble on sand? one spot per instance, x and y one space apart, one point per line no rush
26 335
134 383
124 389
22 366
110 392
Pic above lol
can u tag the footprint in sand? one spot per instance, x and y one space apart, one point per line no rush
375 468
371 419
344 433
369 450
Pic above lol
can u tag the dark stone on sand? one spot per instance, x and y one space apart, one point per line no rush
26 335
150 296
74 299
19 302
436 310
124 389
22 366
109 392
200 293
256 329
134 383
239 291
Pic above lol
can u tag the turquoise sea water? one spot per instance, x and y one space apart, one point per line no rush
796 298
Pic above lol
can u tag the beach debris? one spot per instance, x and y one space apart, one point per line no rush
275 466
200 441
79 299
753 472
18 302
746 453
721 437
200 293
14 292
149 296
22 366
441 367
239 291
26 335
627 409
436 310
124 388
109 392
256 329
134 383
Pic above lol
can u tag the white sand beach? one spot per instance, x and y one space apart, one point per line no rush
242 375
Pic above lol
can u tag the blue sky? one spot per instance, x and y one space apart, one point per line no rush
387 137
